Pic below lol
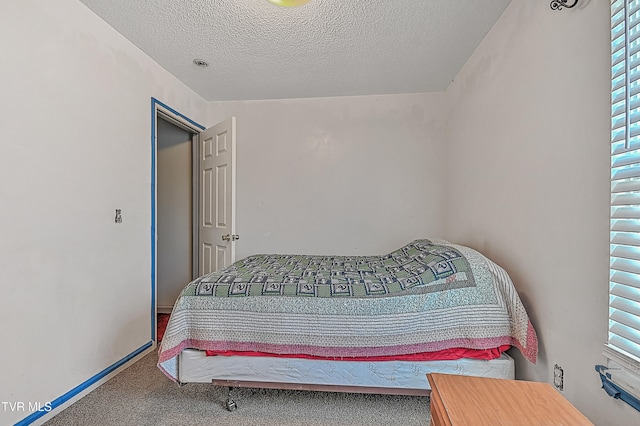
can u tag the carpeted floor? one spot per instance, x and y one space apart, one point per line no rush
162 321
142 395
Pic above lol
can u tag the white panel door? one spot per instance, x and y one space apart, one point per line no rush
216 200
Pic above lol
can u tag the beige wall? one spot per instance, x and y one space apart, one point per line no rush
349 175
76 145
528 180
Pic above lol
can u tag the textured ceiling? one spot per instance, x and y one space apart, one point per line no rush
257 50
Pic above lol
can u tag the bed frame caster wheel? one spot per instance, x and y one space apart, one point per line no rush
230 405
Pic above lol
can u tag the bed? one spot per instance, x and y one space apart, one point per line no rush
371 324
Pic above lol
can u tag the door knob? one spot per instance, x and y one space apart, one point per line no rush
230 237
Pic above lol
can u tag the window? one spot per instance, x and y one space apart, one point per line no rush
622 377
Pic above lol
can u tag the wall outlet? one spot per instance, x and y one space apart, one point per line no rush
558 377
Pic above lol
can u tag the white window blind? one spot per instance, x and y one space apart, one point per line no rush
624 282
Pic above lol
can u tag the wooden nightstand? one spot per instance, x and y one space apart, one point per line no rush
464 400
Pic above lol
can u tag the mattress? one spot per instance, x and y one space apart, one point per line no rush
427 296
194 366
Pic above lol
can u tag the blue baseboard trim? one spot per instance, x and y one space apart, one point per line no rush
80 388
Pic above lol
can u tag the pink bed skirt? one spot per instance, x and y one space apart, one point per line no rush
446 354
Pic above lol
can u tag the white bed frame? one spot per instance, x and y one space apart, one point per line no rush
378 377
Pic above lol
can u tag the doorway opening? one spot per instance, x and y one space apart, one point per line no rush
174 189
174 212
197 193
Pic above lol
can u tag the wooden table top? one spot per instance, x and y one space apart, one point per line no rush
485 401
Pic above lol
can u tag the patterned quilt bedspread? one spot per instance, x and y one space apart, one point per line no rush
427 296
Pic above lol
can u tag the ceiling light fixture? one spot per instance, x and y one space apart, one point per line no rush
289 3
